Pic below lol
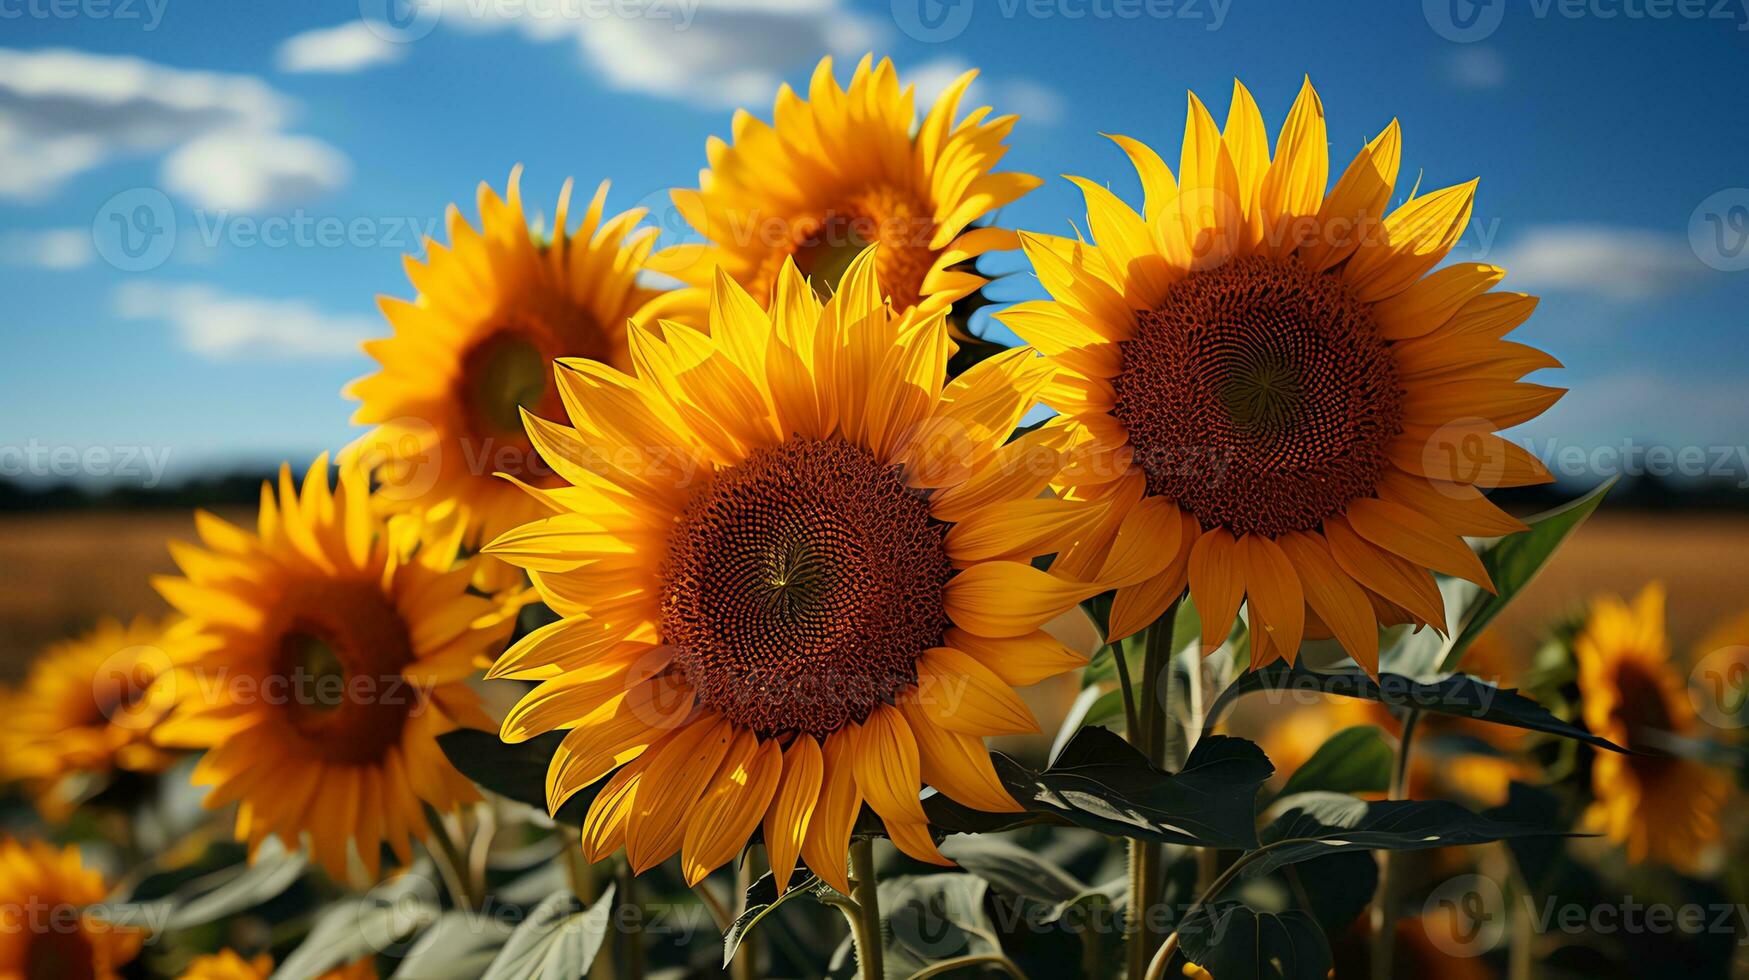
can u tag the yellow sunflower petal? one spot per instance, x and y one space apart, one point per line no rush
792 808
960 694
733 804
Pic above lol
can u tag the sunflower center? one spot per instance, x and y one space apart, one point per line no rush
58 953
802 585
336 671
1641 709
510 369
505 374
1259 396
824 245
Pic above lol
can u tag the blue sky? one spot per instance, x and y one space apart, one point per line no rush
296 167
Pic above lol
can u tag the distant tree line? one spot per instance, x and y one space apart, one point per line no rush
1644 493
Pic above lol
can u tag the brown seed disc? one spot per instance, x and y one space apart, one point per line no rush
335 669
1259 396
801 586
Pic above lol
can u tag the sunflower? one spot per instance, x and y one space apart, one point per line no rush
838 171
475 348
793 573
44 928
1661 808
229 965
1275 387
84 708
331 651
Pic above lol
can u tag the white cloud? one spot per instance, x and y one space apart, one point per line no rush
220 326
251 171
1616 263
715 53
48 248
1032 101
350 47
1643 406
1469 66
63 112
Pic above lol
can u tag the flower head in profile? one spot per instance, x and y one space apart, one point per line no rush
1276 387
840 170
86 708
331 649
44 892
792 567
476 346
1660 807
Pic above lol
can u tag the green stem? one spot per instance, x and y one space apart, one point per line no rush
1138 941
745 965
1132 723
866 925
1521 957
1157 661
1152 736
997 960
632 938
1383 901
451 865
1157 968
480 850
579 873
720 913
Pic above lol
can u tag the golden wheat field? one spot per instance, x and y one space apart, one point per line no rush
68 569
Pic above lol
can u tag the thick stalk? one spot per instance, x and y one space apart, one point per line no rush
866 925
1132 721
632 938
745 965
1499 865
1152 737
1384 920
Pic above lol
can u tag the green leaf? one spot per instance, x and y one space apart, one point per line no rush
1101 782
458 946
1332 823
762 900
557 941
1333 889
1514 561
1354 760
1014 870
517 772
1233 941
1078 716
1416 652
1459 694
365 925
934 917
216 895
